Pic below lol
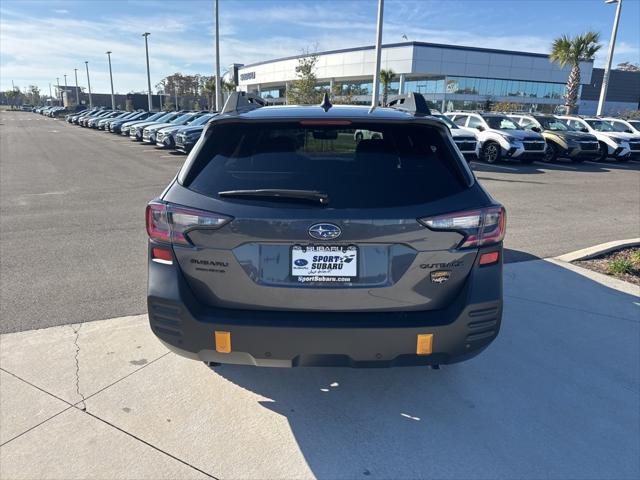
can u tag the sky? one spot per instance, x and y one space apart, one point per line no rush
41 40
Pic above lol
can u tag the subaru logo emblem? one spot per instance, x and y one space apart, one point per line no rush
324 231
301 262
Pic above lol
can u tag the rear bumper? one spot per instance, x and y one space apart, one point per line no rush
294 338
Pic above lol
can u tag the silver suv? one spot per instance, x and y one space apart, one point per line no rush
501 137
284 241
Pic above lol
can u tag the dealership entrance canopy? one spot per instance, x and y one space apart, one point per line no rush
452 77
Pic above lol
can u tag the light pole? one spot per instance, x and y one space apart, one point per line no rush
50 95
146 47
113 98
75 71
86 64
607 69
65 88
376 73
218 83
58 90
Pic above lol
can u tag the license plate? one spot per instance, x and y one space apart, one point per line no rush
324 263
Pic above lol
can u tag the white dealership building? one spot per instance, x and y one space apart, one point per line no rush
450 76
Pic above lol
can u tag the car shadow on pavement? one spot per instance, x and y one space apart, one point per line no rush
514 167
555 396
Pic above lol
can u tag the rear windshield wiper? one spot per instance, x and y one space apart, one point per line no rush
312 196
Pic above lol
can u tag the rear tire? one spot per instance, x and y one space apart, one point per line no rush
359 137
491 152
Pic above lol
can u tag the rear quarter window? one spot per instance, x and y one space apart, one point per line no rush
358 166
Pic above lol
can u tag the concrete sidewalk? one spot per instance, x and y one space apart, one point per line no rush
557 395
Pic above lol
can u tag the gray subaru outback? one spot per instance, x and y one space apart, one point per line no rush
285 241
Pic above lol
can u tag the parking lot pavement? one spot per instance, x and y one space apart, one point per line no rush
557 395
72 201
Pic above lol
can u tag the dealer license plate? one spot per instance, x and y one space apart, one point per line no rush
324 263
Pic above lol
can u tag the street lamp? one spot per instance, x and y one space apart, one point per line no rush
86 64
75 71
50 95
113 98
65 87
218 83
607 69
376 73
58 90
146 47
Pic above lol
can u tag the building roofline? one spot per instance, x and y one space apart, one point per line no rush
403 44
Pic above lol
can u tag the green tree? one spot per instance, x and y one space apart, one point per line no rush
386 77
208 89
302 91
571 51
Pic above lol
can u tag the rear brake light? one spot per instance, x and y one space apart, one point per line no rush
485 226
167 222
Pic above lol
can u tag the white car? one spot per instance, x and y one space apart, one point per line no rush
500 137
613 144
625 126
466 140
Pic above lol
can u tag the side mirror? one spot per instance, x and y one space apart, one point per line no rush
584 129
480 128
536 129
628 131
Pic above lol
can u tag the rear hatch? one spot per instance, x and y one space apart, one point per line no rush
303 216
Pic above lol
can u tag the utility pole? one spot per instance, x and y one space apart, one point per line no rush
607 69
376 74
65 88
218 83
75 71
86 63
113 98
146 47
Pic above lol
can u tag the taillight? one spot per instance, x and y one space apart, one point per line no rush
167 222
480 227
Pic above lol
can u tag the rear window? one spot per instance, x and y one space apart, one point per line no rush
357 166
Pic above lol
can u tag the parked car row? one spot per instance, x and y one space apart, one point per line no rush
177 130
530 137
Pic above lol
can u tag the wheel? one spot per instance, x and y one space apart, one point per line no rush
359 137
604 151
491 152
550 153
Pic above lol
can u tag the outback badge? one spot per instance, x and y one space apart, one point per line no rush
440 276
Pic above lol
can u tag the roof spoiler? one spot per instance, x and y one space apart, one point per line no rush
242 102
411 102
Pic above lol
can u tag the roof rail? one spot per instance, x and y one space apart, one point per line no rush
411 102
242 102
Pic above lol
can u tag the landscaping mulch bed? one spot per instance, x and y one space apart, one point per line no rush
622 264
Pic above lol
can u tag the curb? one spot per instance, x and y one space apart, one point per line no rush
597 250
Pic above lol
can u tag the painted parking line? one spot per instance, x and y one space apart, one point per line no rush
562 166
167 156
612 165
152 150
493 166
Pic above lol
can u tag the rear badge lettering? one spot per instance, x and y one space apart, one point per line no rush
213 266
440 276
429 266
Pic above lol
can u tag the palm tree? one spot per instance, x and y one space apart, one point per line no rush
571 51
386 77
